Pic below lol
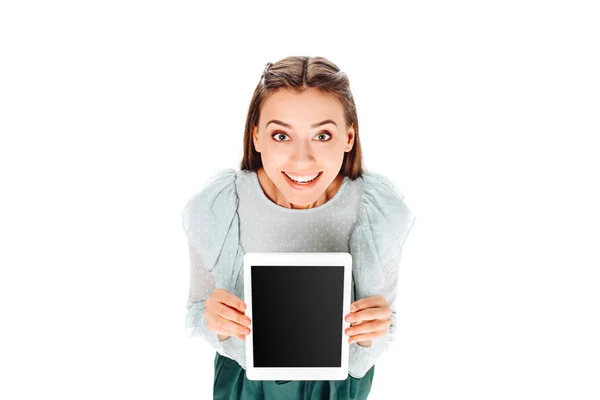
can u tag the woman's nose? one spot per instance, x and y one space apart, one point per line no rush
303 153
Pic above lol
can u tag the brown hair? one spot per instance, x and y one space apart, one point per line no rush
301 73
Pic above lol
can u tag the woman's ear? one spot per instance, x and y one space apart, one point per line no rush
255 139
350 143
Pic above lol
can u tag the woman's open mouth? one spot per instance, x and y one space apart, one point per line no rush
300 184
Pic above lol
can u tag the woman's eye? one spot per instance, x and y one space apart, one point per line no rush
275 135
278 134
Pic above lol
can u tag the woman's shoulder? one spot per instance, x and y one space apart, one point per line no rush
384 218
208 214
217 193
378 182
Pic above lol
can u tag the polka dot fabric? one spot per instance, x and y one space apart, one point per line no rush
232 215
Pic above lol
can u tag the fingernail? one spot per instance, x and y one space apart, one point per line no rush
243 307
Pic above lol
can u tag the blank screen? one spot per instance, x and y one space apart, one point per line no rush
297 316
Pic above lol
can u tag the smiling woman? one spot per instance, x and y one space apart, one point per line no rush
301 177
300 169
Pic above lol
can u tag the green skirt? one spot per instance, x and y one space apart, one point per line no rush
230 383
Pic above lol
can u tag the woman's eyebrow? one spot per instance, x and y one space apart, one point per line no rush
276 121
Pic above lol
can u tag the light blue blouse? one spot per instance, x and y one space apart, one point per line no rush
231 215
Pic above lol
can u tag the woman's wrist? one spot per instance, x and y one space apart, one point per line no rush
222 337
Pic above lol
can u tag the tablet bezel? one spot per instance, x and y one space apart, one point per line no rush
298 259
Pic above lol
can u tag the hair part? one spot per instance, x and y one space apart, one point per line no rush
300 73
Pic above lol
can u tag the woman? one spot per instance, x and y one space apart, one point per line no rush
300 188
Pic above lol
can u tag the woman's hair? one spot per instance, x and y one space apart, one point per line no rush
301 73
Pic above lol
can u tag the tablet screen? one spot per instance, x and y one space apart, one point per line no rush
297 316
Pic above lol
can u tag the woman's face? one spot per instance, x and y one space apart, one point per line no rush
291 138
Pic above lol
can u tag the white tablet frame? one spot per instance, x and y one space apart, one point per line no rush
298 259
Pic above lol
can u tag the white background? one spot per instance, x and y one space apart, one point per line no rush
484 114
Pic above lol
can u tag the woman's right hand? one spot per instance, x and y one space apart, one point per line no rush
224 313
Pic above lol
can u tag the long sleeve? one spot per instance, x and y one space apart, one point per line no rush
209 220
363 358
383 224
202 284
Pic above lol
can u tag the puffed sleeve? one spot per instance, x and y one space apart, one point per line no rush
208 217
384 221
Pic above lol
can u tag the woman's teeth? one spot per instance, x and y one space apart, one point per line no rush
302 179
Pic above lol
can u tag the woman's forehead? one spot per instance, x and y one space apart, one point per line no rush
301 110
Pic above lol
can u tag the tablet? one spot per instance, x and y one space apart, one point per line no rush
296 303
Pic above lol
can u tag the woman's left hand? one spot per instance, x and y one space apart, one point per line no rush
369 319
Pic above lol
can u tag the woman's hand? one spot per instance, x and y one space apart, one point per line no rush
224 313
369 318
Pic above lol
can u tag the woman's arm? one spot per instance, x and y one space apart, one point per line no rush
202 284
363 356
